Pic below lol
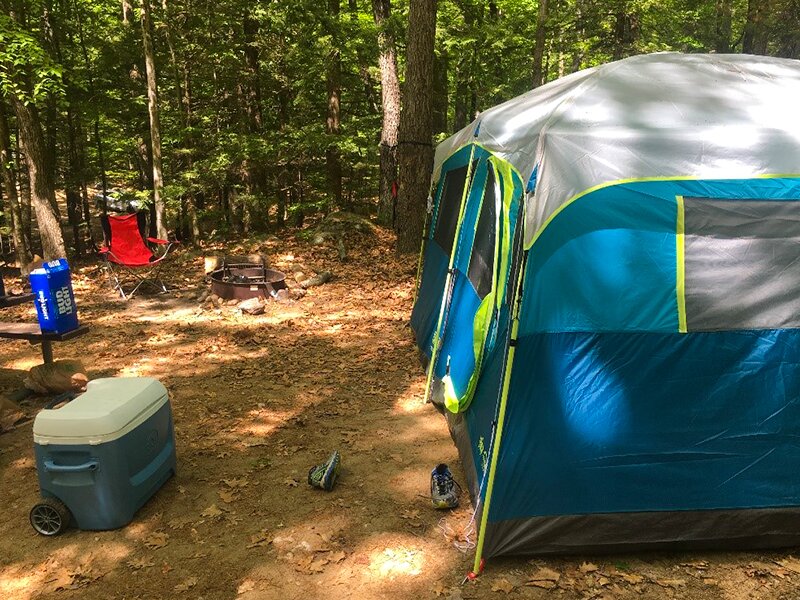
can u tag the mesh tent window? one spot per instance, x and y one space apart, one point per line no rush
449 207
481 262
742 264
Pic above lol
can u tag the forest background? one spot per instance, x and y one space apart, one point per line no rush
233 118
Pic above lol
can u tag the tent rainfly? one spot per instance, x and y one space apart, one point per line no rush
608 306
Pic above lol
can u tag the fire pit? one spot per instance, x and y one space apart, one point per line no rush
246 280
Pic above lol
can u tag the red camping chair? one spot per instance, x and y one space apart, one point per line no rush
128 255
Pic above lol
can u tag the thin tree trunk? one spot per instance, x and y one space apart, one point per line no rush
24 182
87 215
192 197
415 150
754 39
461 109
21 249
250 90
73 186
440 92
333 120
155 127
43 193
538 48
390 105
96 126
722 28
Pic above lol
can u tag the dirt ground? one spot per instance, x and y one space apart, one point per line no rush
257 400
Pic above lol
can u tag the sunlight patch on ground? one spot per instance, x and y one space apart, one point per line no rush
24 364
412 402
264 422
20 583
141 368
391 563
23 463
64 568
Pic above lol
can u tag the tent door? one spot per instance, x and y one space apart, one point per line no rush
480 265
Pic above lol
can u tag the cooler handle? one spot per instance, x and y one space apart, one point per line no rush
49 465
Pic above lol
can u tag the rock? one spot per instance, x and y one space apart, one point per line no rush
57 377
251 306
282 296
297 293
319 279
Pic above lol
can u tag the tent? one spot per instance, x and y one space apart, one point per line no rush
608 306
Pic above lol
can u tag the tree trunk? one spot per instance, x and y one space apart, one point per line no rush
73 185
333 122
81 149
754 39
43 193
722 27
21 249
415 150
390 104
254 173
155 127
625 30
191 207
538 48
24 183
461 108
440 92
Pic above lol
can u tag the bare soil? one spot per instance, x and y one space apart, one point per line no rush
257 400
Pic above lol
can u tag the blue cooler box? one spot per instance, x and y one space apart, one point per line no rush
55 302
105 453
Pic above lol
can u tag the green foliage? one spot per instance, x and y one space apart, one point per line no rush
243 142
26 70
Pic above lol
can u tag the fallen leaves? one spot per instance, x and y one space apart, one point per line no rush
186 585
502 585
228 496
544 578
78 577
790 563
260 539
587 567
671 583
140 563
632 578
156 540
211 512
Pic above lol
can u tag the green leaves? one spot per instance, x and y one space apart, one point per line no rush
26 69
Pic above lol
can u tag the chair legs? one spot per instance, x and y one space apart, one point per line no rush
149 278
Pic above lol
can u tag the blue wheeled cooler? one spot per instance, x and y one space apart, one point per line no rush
101 456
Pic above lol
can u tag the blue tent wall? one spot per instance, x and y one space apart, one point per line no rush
616 421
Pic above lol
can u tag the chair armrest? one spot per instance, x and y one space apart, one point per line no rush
159 241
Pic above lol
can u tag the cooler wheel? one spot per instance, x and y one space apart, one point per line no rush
49 517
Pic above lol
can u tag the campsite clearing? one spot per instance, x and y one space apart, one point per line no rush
257 401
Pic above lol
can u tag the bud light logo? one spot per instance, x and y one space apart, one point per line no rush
64 304
42 300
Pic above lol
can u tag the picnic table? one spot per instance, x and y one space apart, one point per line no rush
31 331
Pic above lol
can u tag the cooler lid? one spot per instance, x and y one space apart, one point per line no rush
108 409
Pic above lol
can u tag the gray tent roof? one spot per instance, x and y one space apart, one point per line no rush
656 115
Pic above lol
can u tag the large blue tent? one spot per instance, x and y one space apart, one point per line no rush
608 307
